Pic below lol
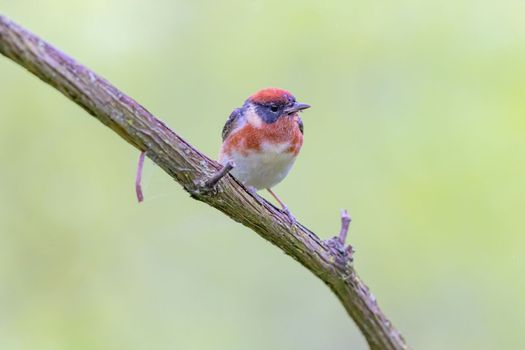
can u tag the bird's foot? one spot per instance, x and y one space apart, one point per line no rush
253 191
288 213
284 207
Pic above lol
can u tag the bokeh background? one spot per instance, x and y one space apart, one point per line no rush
417 127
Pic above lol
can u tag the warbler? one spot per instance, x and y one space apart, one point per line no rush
263 138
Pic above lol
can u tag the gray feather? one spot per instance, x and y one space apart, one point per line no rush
231 123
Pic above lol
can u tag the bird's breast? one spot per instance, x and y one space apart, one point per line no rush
263 155
283 136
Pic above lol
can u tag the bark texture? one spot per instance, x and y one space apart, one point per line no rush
329 260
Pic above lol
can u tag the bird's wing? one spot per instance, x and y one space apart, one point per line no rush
231 123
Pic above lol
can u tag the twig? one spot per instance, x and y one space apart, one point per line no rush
138 178
212 181
345 224
187 165
337 243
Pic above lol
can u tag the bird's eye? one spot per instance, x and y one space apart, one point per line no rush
274 108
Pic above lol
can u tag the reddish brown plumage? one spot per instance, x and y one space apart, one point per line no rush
271 95
250 138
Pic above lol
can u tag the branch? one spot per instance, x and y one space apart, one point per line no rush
329 260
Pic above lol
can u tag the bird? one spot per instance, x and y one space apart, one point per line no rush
262 139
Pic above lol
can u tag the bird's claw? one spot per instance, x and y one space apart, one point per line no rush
251 190
288 213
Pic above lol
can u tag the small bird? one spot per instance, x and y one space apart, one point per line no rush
262 139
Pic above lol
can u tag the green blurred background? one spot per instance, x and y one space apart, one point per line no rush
417 127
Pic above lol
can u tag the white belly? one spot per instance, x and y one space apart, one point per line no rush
262 169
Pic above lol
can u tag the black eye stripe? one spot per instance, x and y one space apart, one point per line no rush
266 113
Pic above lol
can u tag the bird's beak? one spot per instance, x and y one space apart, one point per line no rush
296 107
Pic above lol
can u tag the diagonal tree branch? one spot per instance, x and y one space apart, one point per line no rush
330 260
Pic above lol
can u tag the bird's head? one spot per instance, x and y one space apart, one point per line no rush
270 104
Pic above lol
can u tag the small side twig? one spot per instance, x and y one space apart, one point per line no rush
337 243
138 178
345 224
212 181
